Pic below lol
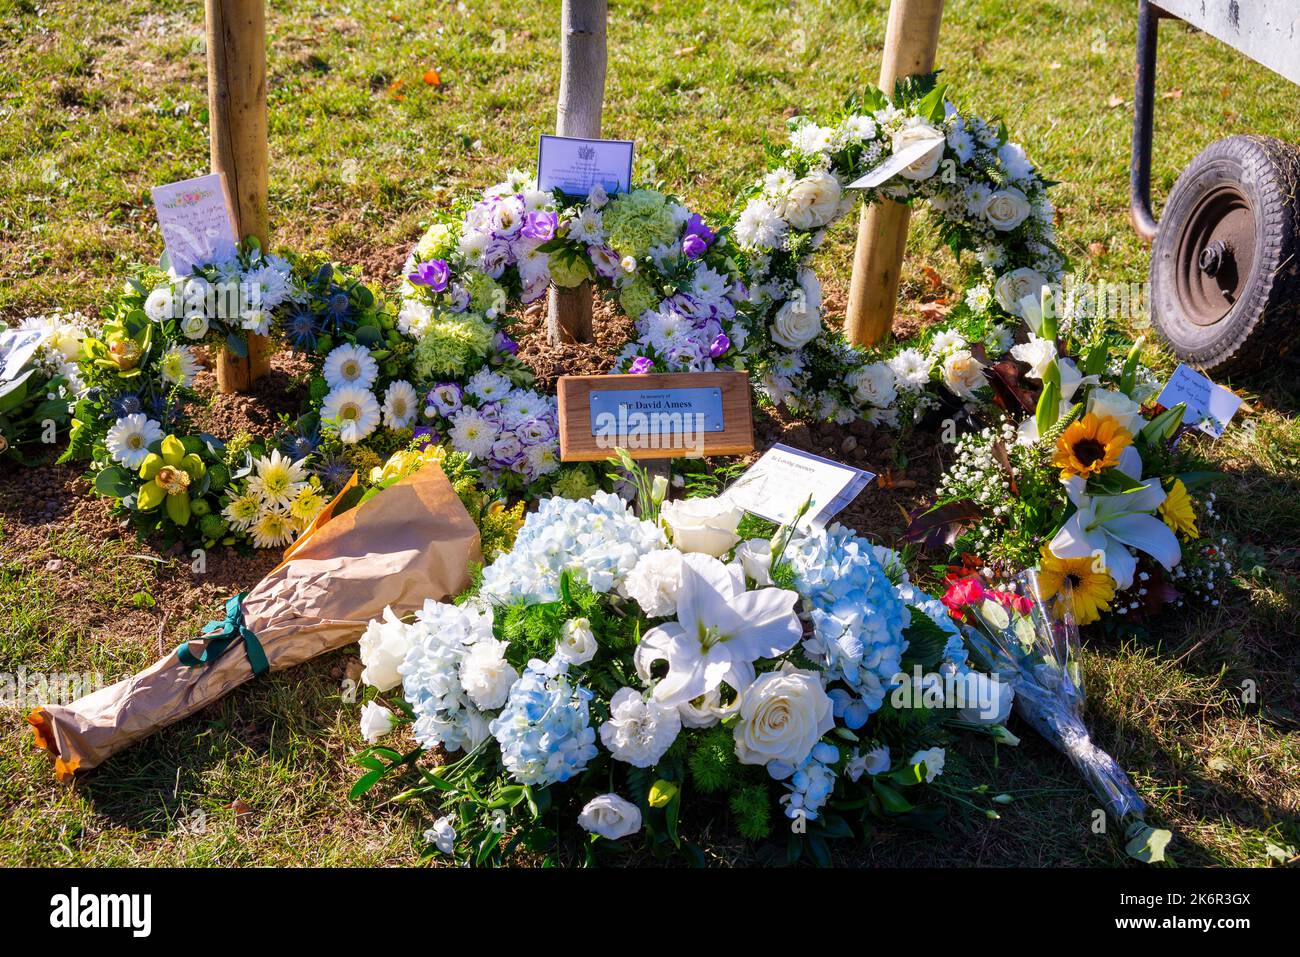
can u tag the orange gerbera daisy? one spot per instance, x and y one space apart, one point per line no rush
1090 446
1091 588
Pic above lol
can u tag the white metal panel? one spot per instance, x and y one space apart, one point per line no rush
1264 30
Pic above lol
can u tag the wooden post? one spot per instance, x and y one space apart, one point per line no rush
582 94
237 127
911 39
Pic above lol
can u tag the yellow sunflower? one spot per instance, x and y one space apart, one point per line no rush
1176 511
1091 589
1090 446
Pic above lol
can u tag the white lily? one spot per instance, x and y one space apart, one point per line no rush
1071 381
721 629
1110 524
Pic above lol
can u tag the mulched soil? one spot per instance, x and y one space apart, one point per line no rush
282 392
611 329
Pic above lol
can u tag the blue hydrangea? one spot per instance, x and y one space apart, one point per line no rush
857 615
598 538
811 784
544 730
439 638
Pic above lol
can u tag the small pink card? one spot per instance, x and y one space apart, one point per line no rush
197 221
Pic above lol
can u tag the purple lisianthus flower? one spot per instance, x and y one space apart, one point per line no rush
497 257
719 346
425 436
697 237
536 431
459 298
605 260
641 365
503 343
445 398
507 450
435 274
540 225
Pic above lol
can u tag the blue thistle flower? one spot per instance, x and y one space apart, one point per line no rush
128 403
302 330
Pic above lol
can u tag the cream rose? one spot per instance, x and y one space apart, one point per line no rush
1007 209
706 525
799 320
927 165
783 714
194 326
963 373
1013 286
811 202
1116 404
610 816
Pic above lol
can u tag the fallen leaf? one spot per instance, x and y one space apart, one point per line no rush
1053 66
240 807
1174 94
1115 101
685 51
1096 249
394 89
934 310
431 78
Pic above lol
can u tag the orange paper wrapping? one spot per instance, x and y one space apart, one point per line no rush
410 542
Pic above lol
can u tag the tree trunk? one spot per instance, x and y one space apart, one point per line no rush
237 127
911 39
582 93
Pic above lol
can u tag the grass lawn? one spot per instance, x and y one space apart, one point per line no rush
102 101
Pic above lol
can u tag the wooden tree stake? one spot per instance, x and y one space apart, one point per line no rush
911 39
237 126
582 94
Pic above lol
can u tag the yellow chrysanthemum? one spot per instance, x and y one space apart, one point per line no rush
1090 446
1091 589
1177 512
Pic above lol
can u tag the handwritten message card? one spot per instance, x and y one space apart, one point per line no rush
777 485
1210 407
197 221
575 165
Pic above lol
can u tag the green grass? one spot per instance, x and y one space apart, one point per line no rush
101 101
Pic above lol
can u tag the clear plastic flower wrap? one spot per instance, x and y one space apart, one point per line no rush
1033 643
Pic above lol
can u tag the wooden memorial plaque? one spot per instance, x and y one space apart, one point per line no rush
657 416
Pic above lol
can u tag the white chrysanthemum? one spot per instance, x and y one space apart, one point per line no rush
759 226
243 510
654 581
709 285
638 731
273 528
352 412
488 385
473 433
413 318
178 366
485 674
911 370
129 439
949 340
268 286
277 479
350 365
401 406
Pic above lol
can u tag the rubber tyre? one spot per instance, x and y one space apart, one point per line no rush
1261 324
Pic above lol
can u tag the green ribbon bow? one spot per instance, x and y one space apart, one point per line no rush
220 635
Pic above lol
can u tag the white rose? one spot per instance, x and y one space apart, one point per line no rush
755 557
610 816
783 714
992 702
874 384
639 730
1007 209
485 674
383 647
963 373
654 581
1039 353
927 165
577 644
811 201
159 304
1116 404
1013 286
376 721
706 525
932 759
194 326
797 323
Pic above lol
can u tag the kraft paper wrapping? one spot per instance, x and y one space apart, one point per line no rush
412 541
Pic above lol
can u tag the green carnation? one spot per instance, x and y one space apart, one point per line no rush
568 270
574 483
212 526
636 221
450 344
437 242
638 296
485 294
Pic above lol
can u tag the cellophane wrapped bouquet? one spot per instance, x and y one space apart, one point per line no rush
1029 639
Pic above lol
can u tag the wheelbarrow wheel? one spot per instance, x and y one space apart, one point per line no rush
1225 277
